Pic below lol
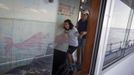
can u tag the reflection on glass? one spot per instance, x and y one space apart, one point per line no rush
120 40
27 29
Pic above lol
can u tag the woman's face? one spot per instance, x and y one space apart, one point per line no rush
84 17
66 25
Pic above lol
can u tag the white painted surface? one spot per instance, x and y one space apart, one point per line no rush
123 67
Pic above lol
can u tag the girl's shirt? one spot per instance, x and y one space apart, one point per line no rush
73 37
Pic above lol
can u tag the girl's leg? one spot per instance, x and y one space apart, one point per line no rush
70 51
70 58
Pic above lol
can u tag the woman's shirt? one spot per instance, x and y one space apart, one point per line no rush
82 26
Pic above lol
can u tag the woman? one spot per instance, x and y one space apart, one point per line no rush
72 39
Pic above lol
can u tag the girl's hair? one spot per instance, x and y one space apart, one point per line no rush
70 24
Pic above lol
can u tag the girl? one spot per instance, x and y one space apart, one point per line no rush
72 39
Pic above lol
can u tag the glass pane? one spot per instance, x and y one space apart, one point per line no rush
131 36
27 32
67 10
120 34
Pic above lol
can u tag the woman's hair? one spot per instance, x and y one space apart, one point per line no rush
70 24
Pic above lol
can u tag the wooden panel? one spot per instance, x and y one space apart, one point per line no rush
92 25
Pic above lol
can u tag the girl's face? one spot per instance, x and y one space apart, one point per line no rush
66 25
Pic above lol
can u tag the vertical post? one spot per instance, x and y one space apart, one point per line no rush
110 48
120 44
91 32
133 42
